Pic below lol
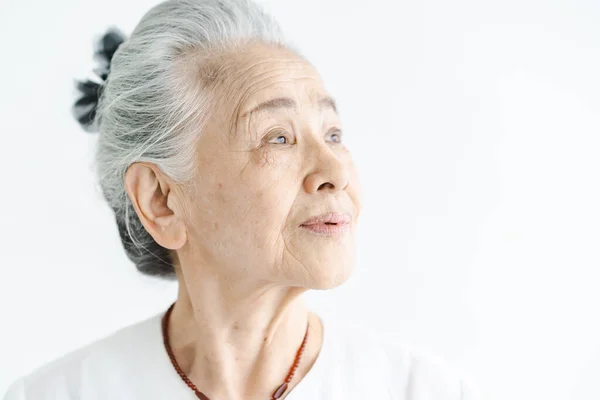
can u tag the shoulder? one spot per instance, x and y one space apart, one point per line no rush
118 354
408 371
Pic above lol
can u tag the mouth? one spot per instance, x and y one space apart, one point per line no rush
322 223
328 224
329 218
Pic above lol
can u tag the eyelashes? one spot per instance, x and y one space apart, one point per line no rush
337 132
283 137
289 138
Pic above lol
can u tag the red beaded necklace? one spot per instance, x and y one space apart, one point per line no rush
276 395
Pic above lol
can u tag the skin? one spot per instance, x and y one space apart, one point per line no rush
241 257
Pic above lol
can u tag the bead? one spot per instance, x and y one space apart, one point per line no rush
279 392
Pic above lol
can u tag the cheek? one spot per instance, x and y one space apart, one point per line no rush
271 161
272 186
256 193
266 159
263 189
275 167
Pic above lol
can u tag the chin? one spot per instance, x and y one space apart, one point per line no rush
316 263
330 277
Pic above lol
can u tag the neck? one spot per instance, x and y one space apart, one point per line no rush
239 341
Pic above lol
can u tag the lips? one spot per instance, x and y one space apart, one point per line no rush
329 218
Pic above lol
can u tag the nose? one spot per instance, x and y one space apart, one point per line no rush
329 172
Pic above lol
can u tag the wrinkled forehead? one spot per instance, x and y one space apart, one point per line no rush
256 74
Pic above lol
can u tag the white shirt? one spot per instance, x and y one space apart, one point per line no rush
353 364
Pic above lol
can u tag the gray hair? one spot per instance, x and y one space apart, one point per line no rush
148 112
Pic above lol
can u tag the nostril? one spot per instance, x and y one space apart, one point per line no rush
326 184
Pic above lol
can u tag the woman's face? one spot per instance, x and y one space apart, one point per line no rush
272 155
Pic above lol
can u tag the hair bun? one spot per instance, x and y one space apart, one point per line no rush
84 109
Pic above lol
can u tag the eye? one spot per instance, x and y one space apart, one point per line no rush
281 137
336 135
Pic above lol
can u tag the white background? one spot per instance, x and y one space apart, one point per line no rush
475 126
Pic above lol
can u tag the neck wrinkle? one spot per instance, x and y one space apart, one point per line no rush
236 341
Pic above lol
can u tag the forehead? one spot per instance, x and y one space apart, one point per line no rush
260 73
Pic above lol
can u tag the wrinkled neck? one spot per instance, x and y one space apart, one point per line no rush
236 340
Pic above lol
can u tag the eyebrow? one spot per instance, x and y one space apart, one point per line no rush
286 102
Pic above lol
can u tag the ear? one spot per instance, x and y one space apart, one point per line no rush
157 204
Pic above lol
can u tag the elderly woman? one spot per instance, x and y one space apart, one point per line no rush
222 155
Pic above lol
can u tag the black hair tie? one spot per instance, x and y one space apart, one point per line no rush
84 109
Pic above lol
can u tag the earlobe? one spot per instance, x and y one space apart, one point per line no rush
170 232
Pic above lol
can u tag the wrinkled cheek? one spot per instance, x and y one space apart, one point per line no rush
266 159
211 209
